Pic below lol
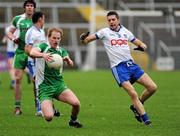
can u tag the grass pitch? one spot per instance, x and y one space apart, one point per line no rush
104 108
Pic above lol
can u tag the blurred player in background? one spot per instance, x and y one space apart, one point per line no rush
50 81
11 47
115 39
34 36
21 23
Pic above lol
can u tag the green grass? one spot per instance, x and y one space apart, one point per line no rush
104 108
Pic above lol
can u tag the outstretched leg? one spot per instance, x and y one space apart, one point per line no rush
136 102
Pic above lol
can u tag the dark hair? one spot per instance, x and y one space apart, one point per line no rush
110 13
29 1
36 16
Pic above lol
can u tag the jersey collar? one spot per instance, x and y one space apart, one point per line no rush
117 29
37 28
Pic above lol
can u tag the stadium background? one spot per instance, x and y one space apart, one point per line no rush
156 22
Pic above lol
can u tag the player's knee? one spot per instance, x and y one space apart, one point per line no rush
18 80
153 88
134 95
48 117
76 104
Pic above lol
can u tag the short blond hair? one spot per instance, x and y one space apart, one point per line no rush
50 30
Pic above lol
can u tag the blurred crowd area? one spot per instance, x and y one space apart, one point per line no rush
156 22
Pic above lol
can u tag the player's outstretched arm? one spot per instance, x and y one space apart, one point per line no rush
86 37
140 45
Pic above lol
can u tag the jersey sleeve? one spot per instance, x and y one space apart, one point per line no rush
64 52
42 47
100 34
29 38
131 36
14 21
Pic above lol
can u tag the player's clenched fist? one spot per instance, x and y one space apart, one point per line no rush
83 36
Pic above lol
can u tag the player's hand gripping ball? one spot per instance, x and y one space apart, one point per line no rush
56 62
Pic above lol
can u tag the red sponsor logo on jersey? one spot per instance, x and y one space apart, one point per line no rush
119 42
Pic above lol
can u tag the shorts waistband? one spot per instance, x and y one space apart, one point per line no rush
128 62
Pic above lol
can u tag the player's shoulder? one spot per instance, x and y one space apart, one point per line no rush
103 30
30 33
31 30
61 48
124 28
44 44
17 17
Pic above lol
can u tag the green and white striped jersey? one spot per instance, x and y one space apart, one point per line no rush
45 75
22 24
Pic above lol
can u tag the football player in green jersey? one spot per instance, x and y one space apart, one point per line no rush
50 81
21 23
